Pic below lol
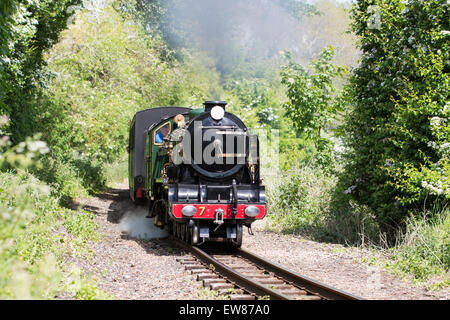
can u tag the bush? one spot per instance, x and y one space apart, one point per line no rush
27 29
104 71
308 201
295 152
299 201
33 242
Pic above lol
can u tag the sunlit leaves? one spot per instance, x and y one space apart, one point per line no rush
314 102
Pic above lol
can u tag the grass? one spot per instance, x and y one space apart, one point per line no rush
208 294
83 287
115 173
303 201
298 200
423 251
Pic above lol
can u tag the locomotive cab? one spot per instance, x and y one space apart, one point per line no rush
139 126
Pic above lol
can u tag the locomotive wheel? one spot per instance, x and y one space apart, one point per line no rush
173 230
183 232
188 234
194 235
239 234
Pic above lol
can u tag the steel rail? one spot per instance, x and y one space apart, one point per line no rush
231 275
307 284
254 287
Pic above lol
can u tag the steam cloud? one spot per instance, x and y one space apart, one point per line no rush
233 32
136 225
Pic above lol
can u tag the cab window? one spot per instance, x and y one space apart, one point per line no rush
161 133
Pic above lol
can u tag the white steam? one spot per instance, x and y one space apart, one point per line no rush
235 32
136 225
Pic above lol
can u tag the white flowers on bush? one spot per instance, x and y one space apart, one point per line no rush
446 108
432 144
38 146
3 120
435 121
4 141
445 147
33 147
350 189
434 189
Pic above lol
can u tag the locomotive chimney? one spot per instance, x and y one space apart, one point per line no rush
210 104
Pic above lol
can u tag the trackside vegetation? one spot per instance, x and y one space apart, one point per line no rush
361 119
389 142
38 235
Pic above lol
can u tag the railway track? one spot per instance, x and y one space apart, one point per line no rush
241 275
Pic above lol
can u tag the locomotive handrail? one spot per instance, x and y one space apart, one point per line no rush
218 127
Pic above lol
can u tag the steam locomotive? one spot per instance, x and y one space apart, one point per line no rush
197 170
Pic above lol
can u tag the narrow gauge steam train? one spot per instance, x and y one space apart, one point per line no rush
197 170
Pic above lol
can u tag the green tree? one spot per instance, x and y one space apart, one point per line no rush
7 9
313 100
106 68
399 130
27 29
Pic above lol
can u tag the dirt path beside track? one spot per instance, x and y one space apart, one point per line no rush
131 268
